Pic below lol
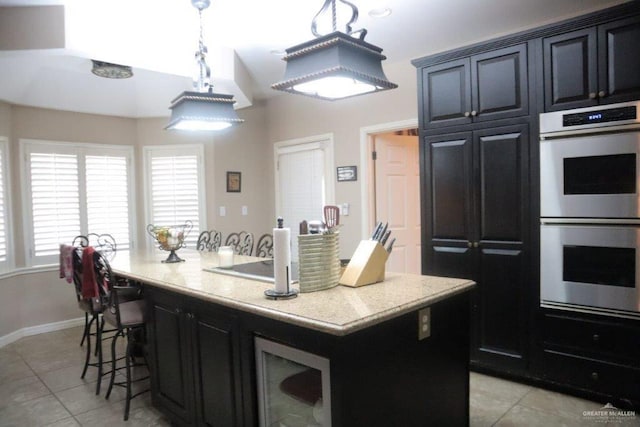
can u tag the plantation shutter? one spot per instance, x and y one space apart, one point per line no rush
107 186
55 201
176 188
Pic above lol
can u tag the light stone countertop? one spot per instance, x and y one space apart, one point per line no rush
339 311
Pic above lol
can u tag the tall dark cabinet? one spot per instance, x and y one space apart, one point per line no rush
479 111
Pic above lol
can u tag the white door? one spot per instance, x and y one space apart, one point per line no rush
303 183
397 195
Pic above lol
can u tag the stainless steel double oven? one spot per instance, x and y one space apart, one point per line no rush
590 210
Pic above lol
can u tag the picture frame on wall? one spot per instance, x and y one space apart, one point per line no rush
347 173
234 182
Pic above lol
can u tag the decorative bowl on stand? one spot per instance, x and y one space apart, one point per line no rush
170 238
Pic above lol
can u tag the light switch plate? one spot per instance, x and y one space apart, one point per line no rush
245 210
223 211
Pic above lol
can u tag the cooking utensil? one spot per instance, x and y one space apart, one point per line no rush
331 216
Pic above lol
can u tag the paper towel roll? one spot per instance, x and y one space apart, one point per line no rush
282 259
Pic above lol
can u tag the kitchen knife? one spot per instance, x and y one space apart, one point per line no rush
383 231
390 245
376 230
385 237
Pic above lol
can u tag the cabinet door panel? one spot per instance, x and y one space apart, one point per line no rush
501 309
570 70
217 405
502 166
449 164
619 44
172 376
450 261
499 83
446 94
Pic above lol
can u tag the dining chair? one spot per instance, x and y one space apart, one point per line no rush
209 240
264 248
242 243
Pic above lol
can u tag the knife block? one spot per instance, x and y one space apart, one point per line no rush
367 265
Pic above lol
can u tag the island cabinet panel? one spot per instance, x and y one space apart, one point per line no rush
591 66
195 376
476 206
487 86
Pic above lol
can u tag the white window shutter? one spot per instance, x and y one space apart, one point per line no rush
107 186
175 191
55 201
3 205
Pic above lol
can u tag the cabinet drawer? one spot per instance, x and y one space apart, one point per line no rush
618 381
609 340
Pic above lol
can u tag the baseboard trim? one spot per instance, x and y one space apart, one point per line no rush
40 329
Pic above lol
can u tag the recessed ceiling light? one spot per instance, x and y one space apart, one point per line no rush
380 12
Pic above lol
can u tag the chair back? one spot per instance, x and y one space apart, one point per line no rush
264 248
209 240
104 243
242 243
101 278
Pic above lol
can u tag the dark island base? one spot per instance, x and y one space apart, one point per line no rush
203 364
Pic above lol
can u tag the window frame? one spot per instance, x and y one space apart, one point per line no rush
81 149
174 150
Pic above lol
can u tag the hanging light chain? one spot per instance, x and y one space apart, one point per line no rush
334 19
203 81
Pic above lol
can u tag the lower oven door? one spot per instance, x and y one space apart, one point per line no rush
590 268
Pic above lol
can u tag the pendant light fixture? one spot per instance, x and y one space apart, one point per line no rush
336 65
202 109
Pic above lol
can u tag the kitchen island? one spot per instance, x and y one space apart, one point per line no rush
397 351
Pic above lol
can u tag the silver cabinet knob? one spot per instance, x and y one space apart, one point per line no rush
594 376
592 95
602 94
476 244
474 113
469 244
466 114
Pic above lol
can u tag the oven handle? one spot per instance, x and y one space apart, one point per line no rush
590 221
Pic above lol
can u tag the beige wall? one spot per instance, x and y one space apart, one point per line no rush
296 116
32 299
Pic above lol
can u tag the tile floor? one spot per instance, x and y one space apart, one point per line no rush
40 385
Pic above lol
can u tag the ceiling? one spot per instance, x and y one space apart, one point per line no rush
158 38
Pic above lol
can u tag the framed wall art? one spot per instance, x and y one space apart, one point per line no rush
347 173
234 182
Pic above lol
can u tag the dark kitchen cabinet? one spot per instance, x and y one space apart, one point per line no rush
591 352
487 86
592 65
476 210
193 349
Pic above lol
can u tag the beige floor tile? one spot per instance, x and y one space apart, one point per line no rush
22 390
113 416
67 422
69 377
15 370
8 354
47 361
497 388
485 410
83 398
558 404
520 416
34 413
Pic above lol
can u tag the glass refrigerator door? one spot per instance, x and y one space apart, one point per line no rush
293 386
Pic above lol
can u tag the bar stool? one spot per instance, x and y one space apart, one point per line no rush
209 240
242 243
126 313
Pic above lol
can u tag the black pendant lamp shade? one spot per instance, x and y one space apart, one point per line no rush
203 111
336 65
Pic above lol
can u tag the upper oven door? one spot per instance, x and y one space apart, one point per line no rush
590 176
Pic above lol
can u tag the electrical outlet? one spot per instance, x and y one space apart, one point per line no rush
424 323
